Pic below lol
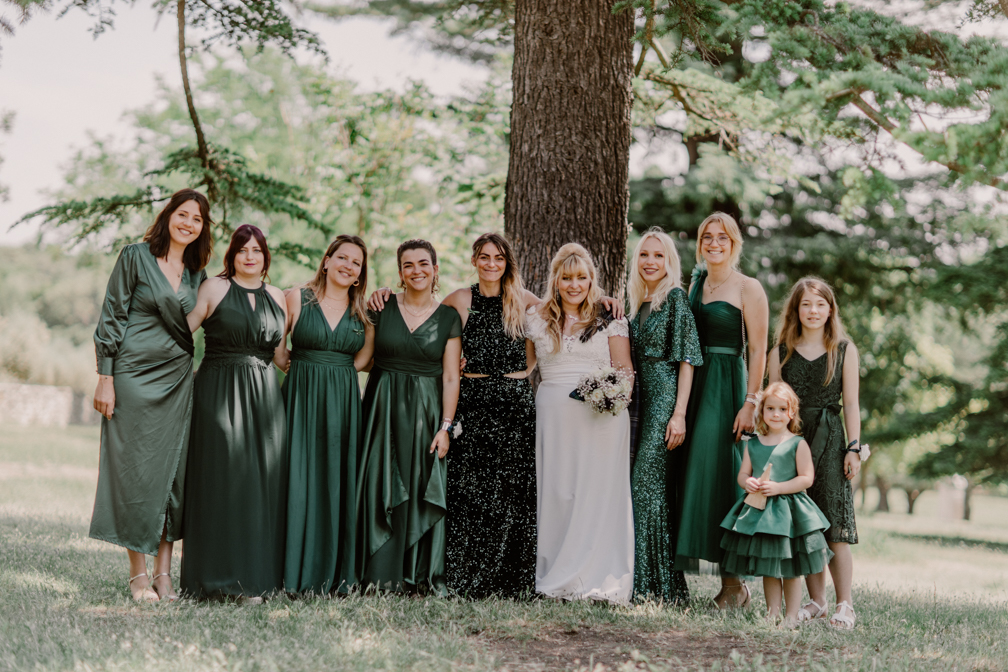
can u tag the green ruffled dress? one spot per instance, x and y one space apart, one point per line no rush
785 540
401 489
324 430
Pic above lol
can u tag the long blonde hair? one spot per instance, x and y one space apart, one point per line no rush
731 228
512 288
570 258
781 390
357 293
789 326
637 289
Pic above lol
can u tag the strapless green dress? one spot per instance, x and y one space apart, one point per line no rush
236 476
323 402
712 458
785 540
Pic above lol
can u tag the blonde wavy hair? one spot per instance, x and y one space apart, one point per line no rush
569 259
637 289
357 293
781 390
512 287
789 326
731 228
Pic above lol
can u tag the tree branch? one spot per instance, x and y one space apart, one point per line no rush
200 139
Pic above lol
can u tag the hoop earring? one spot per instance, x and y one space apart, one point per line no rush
356 283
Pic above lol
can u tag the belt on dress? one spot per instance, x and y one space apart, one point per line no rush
719 350
326 357
216 359
818 445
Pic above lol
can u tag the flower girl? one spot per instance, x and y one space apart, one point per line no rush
776 530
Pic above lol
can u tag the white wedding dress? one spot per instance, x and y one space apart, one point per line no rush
584 512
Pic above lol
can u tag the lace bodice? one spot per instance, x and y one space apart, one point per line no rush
573 353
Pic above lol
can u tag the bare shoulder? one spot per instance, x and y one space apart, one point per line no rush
851 355
460 299
295 290
530 299
277 295
214 288
752 289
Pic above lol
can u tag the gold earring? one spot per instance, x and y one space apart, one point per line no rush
356 283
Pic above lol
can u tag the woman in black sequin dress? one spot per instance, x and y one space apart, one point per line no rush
491 467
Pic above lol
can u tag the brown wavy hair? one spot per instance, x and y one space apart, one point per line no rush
158 237
512 288
569 258
242 235
781 390
357 293
789 327
418 244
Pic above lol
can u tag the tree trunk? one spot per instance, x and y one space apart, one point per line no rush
570 136
967 504
883 493
912 495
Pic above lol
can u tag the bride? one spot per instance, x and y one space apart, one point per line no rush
584 512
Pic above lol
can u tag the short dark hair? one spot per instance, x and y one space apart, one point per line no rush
158 237
241 236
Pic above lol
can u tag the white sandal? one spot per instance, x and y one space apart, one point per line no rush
844 617
806 614
171 596
147 593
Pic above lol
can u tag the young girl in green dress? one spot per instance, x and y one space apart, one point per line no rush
776 530
813 356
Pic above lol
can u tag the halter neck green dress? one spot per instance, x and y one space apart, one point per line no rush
236 477
144 342
323 402
401 489
785 540
713 459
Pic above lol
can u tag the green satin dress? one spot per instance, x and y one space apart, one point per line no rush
662 339
785 540
713 458
143 341
401 496
236 478
323 402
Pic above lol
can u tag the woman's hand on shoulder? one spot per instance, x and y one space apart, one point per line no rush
614 307
376 302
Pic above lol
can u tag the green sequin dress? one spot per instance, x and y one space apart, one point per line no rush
401 498
324 432
785 540
823 428
236 476
662 339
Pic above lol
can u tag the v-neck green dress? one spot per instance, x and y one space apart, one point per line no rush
236 478
323 403
401 496
143 341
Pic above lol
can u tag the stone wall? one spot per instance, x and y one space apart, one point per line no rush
45 405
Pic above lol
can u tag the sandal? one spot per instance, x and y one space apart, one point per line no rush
844 617
146 594
734 603
171 595
811 611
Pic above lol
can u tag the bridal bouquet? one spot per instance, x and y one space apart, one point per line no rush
607 390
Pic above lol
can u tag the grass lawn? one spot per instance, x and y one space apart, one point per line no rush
930 595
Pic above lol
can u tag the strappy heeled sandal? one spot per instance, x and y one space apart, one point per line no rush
811 610
734 603
171 596
147 594
844 618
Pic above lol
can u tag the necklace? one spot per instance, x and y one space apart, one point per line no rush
332 304
422 312
714 288
178 274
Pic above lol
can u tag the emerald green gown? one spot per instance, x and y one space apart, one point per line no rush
662 339
324 432
713 458
785 540
401 489
143 341
236 477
